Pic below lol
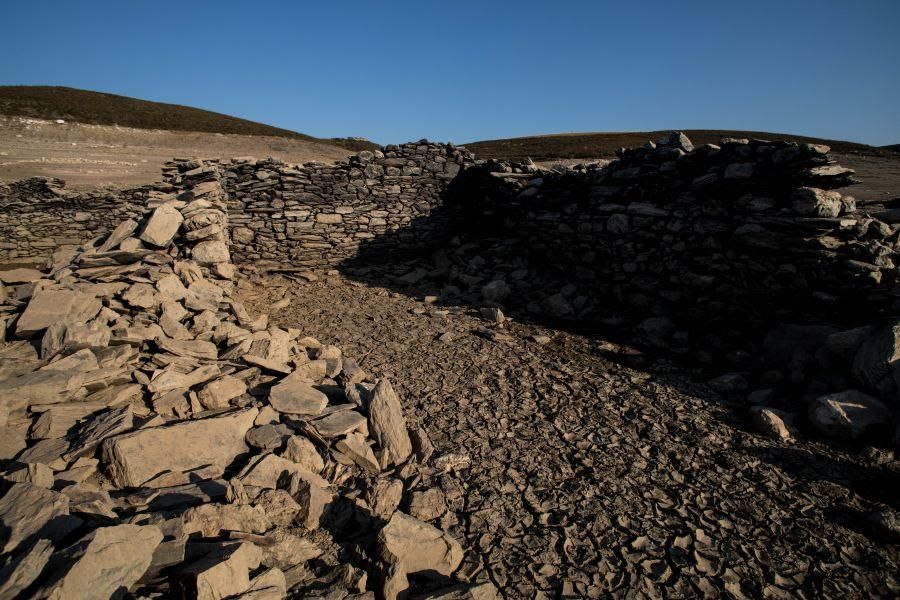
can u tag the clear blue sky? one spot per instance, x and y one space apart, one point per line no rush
464 71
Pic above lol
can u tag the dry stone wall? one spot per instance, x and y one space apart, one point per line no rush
705 240
316 215
38 215
739 256
310 216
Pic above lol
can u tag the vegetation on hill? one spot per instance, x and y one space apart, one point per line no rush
82 106
599 145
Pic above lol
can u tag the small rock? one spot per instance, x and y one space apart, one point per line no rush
268 437
219 392
813 202
303 452
223 573
211 253
771 423
355 447
492 315
408 546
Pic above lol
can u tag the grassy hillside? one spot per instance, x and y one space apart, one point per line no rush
49 102
599 145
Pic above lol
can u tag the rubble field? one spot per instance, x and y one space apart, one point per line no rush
592 469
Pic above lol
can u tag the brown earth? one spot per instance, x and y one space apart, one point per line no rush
89 156
599 472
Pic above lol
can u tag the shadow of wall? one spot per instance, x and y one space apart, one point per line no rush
703 249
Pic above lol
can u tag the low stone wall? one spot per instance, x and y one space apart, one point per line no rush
316 215
312 215
38 215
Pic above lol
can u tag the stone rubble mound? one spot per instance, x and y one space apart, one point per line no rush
156 438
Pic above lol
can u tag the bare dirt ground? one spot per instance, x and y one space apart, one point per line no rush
87 156
595 471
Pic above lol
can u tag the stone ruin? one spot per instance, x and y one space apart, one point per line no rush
738 257
157 438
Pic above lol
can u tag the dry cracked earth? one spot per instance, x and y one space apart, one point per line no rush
587 470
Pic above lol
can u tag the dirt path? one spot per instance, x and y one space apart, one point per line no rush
589 478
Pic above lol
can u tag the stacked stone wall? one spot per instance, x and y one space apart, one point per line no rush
38 215
317 215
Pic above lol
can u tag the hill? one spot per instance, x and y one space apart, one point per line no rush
599 145
98 108
892 147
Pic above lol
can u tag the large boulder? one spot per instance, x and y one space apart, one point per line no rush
847 415
877 362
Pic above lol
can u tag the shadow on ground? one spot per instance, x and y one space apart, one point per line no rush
473 246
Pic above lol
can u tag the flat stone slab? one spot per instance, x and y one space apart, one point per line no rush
135 458
49 386
297 398
103 564
340 423
50 306
28 510
162 226
14 276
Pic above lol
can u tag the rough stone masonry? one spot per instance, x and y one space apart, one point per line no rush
738 255
156 438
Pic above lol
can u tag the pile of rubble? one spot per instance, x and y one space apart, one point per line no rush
156 438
